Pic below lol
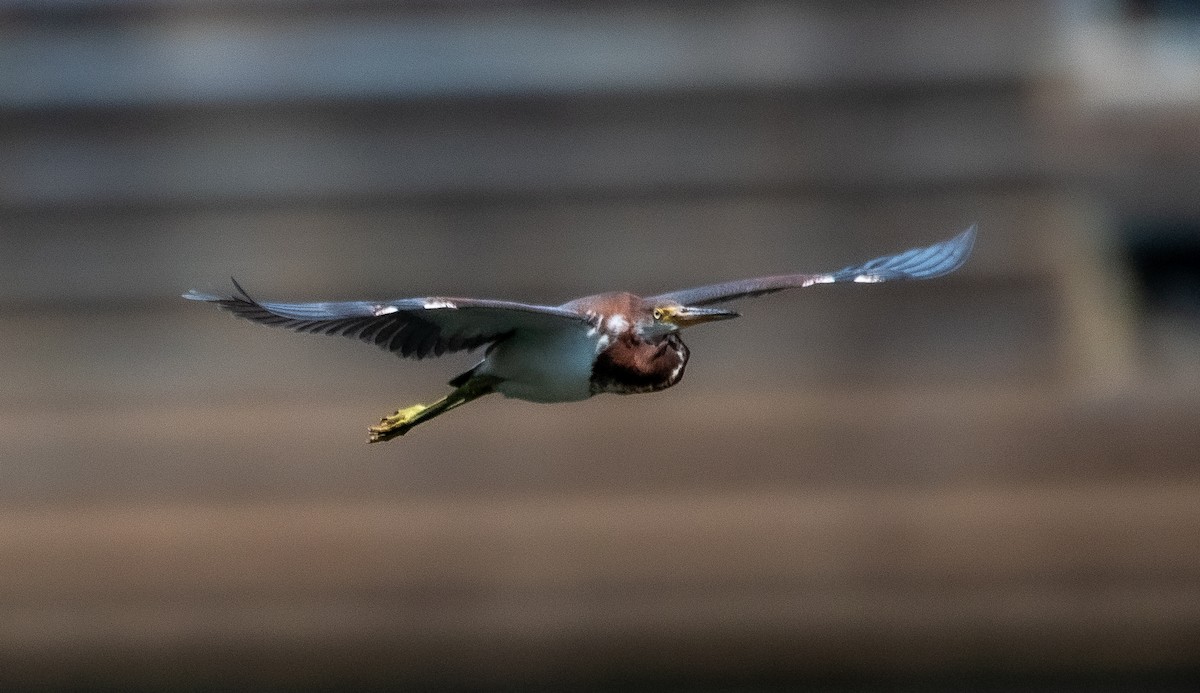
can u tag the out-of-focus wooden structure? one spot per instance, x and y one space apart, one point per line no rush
951 480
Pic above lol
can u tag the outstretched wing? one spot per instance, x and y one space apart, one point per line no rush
918 263
408 327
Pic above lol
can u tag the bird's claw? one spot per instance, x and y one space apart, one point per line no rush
396 424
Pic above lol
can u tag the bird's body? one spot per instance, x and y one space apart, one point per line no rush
613 342
605 353
552 366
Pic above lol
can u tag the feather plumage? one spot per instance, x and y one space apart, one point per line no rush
917 263
409 327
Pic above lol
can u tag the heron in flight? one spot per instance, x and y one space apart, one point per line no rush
611 342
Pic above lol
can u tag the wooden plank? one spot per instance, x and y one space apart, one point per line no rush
216 53
625 145
704 435
563 588
1147 167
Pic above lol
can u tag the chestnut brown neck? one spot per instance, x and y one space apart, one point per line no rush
631 364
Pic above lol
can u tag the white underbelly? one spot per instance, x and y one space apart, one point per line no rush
544 368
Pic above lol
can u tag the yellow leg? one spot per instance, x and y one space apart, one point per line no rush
404 420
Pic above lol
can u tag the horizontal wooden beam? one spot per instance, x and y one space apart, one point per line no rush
302 435
170 54
624 146
1058 579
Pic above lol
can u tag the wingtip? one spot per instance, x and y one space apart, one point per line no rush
966 243
193 295
945 257
244 294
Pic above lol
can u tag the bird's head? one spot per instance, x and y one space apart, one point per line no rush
666 317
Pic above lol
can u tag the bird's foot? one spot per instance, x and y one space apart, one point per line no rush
396 424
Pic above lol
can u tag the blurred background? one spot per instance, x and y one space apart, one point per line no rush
985 482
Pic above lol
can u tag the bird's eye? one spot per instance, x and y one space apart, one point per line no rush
658 314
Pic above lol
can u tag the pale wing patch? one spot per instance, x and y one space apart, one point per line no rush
436 303
378 310
819 279
869 278
617 324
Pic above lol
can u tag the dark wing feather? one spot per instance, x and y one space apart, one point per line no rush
918 263
409 327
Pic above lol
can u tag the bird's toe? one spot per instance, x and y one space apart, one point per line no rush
396 424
